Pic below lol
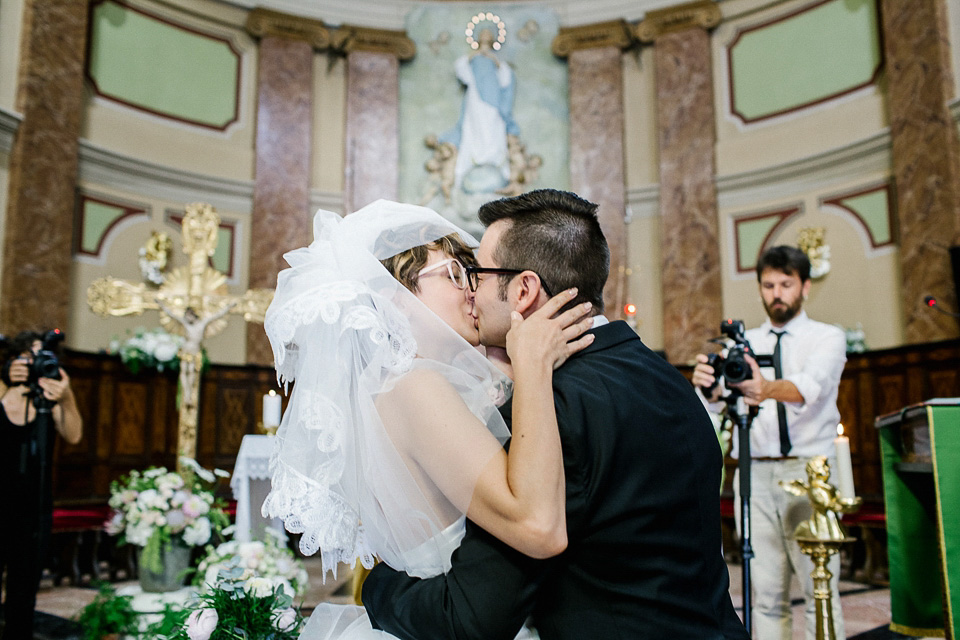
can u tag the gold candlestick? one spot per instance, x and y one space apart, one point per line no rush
821 536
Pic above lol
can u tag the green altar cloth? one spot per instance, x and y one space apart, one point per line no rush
920 448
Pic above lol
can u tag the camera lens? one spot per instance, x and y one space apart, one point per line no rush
736 369
735 372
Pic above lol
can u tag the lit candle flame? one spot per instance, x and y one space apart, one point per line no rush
840 429
272 392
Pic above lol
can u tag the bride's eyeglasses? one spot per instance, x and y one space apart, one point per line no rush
455 271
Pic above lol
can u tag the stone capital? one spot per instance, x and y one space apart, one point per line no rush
704 14
264 23
615 33
348 39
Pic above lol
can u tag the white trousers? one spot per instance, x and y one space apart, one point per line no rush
774 515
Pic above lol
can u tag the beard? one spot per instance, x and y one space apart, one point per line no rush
784 314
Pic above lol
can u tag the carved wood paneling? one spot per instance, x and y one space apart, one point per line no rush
130 421
123 412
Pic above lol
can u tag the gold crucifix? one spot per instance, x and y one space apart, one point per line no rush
192 302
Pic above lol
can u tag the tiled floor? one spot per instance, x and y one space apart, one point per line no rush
865 608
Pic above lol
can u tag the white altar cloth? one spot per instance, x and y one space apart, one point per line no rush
251 484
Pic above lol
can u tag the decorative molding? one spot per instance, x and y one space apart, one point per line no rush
392 14
704 14
825 171
615 33
108 168
348 39
9 123
642 202
265 23
820 171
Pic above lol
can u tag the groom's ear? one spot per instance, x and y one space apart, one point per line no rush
529 293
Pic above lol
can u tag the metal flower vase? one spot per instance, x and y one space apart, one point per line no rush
174 561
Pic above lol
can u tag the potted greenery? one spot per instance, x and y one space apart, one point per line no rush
108 616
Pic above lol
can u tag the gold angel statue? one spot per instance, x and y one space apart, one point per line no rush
826 502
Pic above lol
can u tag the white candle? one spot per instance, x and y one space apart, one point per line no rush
271 409
843 476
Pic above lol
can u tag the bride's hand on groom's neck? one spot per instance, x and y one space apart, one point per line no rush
498 356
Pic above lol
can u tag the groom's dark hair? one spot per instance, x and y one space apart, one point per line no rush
555 234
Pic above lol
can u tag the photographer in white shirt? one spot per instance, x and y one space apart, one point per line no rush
812 356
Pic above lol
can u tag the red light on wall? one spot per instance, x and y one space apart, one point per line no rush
630 309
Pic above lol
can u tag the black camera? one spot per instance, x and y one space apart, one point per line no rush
45 363
734 368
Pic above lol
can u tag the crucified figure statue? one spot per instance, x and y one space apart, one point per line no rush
191 363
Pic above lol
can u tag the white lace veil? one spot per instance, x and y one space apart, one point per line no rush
352 338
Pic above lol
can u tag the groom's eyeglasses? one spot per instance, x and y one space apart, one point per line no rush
455 271
473 276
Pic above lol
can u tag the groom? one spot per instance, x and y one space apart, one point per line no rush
641 461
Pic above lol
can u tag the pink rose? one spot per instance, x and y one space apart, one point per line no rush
114 525
201 623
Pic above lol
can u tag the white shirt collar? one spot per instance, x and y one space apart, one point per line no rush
790 327
599 321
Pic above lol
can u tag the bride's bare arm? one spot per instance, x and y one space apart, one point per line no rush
520 497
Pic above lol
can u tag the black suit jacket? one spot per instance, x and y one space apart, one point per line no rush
642 466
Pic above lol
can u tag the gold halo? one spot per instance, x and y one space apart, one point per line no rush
486 16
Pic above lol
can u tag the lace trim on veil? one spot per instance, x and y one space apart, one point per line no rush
326 303
328 523
314 505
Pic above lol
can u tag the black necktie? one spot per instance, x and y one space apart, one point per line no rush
781 410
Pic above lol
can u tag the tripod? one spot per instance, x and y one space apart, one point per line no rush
742 416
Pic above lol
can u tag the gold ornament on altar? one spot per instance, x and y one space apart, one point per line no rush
154 256
821 535
192 301
810 241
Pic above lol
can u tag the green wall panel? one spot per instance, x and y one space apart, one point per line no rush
147 63
752 232
97 218
874 210
222 254
804 58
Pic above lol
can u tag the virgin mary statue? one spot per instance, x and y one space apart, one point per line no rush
486 118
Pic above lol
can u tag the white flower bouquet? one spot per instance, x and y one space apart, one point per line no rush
143 349
242 608
156 507
270 561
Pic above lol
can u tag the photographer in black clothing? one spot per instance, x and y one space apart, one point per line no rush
37 401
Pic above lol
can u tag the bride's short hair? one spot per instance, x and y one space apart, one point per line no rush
406 265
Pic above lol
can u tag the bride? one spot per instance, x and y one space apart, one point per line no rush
392 433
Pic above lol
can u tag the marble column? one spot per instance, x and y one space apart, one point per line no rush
691 279
43 168
926 155
280 219
597 171
372 166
